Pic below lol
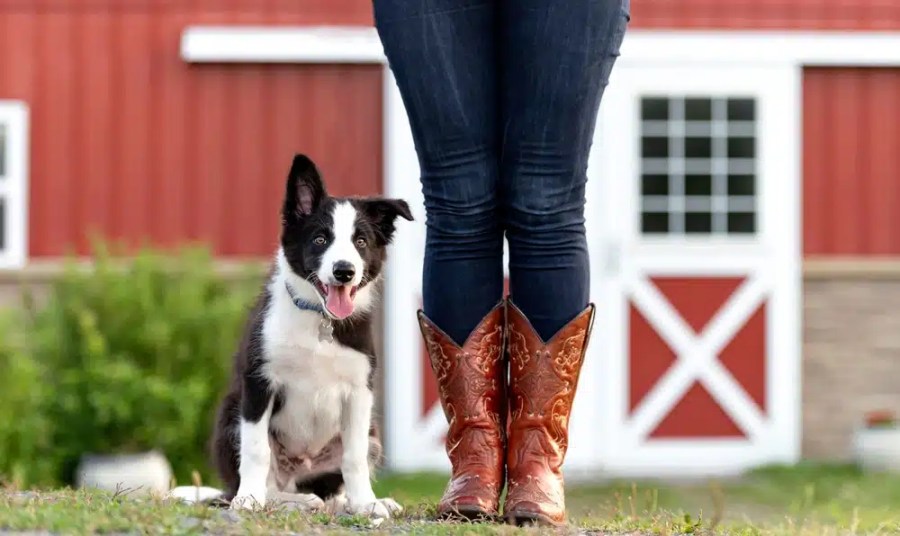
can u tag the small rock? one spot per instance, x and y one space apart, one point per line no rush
230 516
24 496
190 523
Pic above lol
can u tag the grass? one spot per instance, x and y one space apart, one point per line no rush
804 500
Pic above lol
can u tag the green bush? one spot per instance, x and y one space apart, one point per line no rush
23 425
128 356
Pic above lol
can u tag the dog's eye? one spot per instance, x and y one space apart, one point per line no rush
361 242
319 240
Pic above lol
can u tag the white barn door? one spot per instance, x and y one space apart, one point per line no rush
695 363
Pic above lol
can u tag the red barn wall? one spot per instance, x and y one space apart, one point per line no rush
851 161
767 14
130 142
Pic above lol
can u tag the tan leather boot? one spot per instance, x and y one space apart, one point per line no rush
471 381
542 382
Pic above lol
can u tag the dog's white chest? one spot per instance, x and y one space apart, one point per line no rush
314 377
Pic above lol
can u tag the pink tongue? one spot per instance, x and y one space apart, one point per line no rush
338 301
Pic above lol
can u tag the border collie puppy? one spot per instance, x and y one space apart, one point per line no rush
296 425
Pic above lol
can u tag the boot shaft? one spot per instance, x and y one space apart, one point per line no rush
471 378
543 376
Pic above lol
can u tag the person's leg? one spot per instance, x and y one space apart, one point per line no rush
443 55
556 58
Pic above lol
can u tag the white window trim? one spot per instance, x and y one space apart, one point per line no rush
360 45
337 44
14 186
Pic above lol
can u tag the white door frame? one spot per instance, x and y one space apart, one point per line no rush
407 447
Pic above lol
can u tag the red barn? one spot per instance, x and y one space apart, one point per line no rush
744 208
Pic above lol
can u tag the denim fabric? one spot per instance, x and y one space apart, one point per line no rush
502 99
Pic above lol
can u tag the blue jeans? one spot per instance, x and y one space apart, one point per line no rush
502 98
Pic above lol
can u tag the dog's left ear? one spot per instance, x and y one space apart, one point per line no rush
384 212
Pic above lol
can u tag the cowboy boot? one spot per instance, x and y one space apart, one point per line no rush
471 381
543 378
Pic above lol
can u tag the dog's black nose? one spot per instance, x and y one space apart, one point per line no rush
343 271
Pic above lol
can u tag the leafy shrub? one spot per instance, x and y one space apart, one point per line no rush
23 426
131 356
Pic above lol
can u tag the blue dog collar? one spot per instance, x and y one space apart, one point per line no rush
302 304
326 326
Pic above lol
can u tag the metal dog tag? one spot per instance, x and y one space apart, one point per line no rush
326 330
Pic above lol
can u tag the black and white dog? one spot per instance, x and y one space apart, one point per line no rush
296 425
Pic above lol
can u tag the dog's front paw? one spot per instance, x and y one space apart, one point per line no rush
392 506
304 502
248 501
377 508
336 505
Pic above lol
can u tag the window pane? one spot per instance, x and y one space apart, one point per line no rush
741 110
654 222
697 147
698 222
740 167
741 222
741 147
654 109
697 109
2 151
655 147
655 185
741 185
698 185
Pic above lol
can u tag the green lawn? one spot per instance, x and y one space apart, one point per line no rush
806 500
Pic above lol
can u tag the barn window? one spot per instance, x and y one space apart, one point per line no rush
698 165
13 177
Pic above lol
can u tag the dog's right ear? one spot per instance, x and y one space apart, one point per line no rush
304 189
